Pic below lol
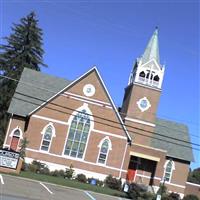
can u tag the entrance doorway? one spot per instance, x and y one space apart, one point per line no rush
15 140
141 170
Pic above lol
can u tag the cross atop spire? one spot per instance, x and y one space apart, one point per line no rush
152 49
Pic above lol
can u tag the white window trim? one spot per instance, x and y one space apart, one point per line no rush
43 133
165 167
139 102
109 149
20 137
78 110
17 128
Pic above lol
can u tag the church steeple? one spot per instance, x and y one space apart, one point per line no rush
152 49
147 69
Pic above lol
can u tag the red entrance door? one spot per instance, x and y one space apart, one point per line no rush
131 175
14 143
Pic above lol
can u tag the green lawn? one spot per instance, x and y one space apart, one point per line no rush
71 183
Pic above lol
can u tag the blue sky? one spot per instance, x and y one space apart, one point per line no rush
111 35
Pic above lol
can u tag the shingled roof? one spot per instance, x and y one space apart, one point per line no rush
167 130
34 89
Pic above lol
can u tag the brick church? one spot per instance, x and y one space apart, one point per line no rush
76 122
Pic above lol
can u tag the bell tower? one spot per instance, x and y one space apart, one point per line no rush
144 86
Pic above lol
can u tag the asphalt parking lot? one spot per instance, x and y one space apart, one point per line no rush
16 188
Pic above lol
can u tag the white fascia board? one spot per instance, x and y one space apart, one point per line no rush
113 105
73 82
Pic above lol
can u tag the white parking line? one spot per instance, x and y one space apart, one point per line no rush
1 178
46 188
87 193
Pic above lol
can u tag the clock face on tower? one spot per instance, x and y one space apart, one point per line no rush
143 104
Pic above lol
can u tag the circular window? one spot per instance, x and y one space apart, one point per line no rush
143 104
89 90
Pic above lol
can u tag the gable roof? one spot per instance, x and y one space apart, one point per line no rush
35 89
175 148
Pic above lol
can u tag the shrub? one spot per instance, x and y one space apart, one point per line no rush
99 183
113 183
190 197
81 178
55 173
162 189
61 173
32 168
171 196
139 192
69 172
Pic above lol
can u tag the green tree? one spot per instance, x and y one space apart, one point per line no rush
23 48
194 176
23 146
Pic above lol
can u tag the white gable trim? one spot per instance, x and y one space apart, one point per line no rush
194 184
140 121
112 103
90 99
50 119
73 82
76 80
110 134
87 101
154 61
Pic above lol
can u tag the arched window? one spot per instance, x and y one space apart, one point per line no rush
142 74
156 78
16 136
169 167
105 146
78 135
48 132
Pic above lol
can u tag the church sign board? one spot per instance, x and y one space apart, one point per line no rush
8 159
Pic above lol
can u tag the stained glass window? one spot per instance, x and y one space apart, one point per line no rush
47 138
103 152
78 135
168 170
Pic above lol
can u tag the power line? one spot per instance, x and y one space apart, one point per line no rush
108 120
64 112
54 92
95 116
109 124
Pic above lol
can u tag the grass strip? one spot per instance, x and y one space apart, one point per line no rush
71 183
